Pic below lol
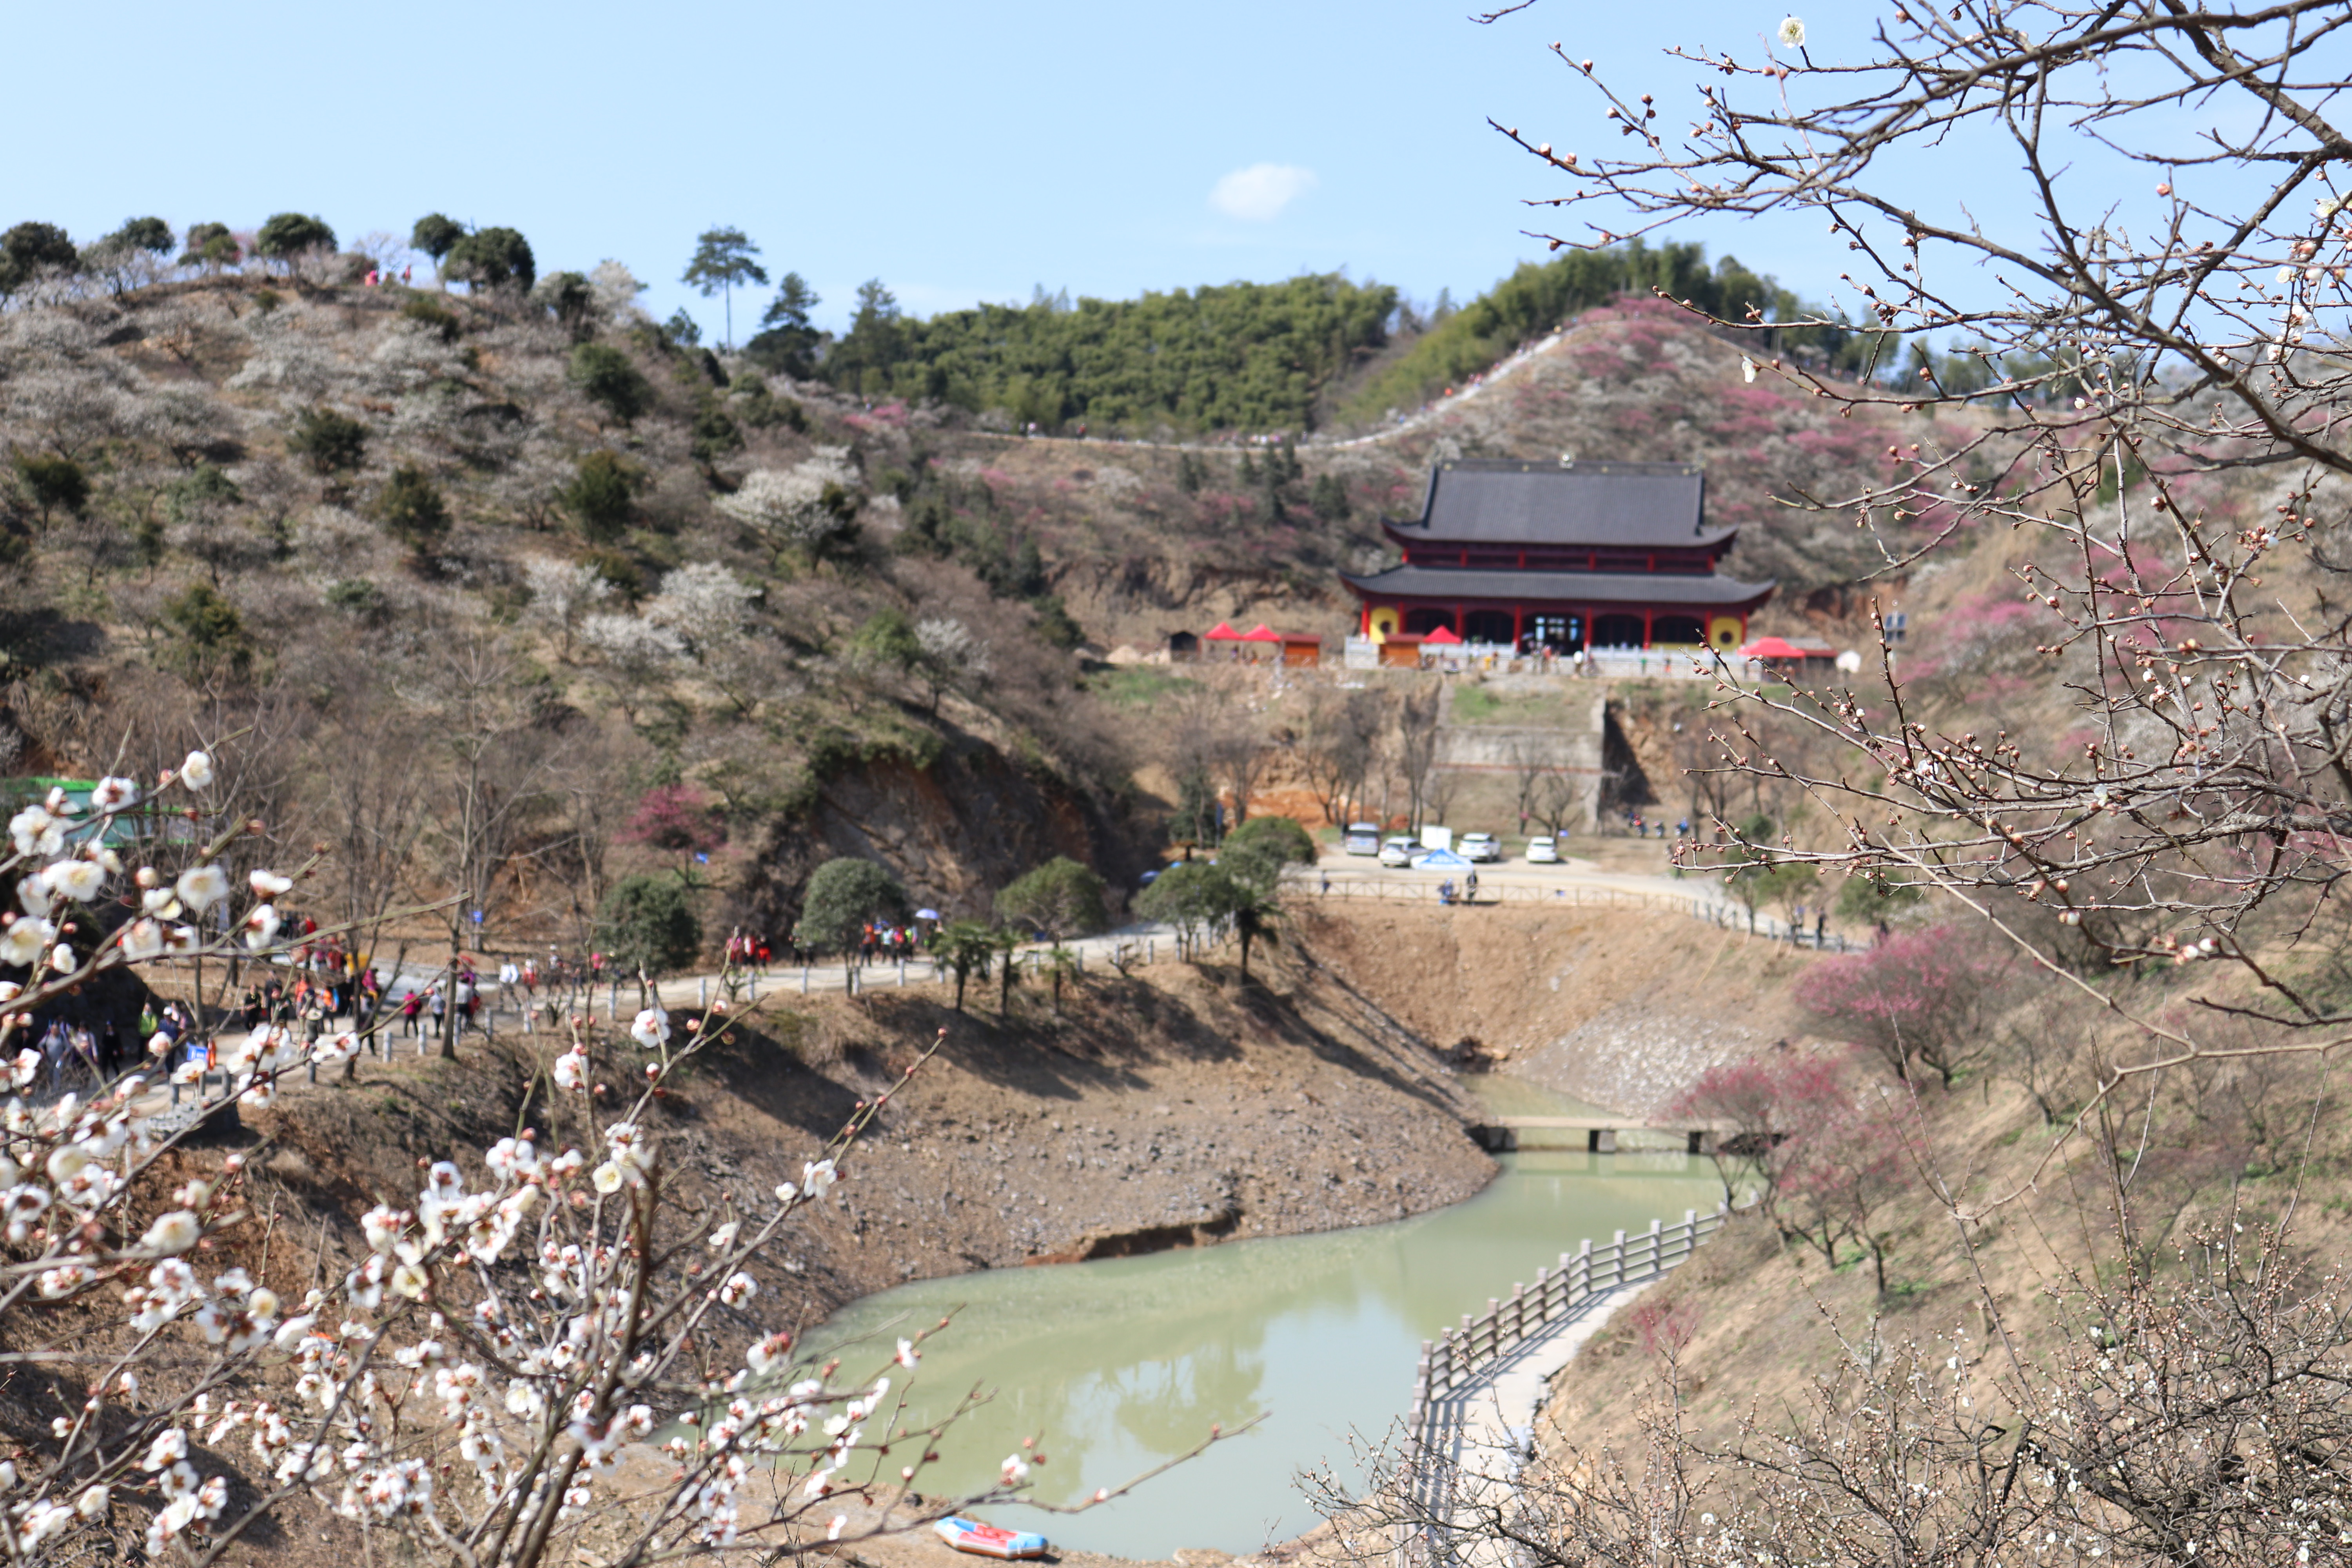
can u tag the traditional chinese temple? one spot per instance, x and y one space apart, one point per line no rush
1562 554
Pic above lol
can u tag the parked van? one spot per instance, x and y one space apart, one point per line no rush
1362 838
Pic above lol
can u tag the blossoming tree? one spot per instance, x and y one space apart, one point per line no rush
472 1386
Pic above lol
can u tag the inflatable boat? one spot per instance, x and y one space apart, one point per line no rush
988 1540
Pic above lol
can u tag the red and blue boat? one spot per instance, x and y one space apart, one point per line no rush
988 1540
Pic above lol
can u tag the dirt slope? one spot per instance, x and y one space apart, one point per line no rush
1624 1007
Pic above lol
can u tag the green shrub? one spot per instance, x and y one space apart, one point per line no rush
1254 853
603 494
1061 898
212 633
54 482
842 895
330 442
427 311
411 510
611 380
647 924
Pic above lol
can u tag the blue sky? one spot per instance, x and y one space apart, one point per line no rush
958 152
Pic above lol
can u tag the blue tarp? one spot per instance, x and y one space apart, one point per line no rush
1443 858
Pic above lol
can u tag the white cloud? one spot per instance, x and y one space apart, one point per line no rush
1259 192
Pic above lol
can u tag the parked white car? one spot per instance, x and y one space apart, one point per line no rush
1362 838
1543 851
1482 847
1399 851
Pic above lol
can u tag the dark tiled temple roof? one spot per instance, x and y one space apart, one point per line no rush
1510 502
1589 587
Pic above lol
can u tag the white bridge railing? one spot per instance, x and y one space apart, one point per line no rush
1458 1356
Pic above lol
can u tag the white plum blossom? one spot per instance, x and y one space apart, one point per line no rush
113 795
1792 32
817 1177
261 926
26 939
37 831
790 507
80 880
197 773
268 884
571 1069
651 1029
174 1232
561 591
703 604
202 887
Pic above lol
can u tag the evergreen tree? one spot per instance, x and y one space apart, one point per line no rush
648 925
54 482
331 443
493 258
603 494
842 895
1061 898
723 261
611 380
211 245
412 510
31 248
436 236
787 343
287 235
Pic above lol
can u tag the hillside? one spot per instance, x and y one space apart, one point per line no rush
659 605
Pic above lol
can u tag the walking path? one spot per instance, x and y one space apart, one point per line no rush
1477 1438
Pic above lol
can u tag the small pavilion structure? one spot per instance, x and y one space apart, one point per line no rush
1564 555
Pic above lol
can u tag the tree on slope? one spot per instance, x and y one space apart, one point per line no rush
1061 898
842 895
724 260
436 236
287 237
493 258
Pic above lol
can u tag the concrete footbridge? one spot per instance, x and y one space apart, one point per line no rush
1501 1134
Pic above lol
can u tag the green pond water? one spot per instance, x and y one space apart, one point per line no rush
1117 1365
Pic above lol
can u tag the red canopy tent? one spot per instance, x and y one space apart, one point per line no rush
1442 634
1261 633
1772 647
1223 632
